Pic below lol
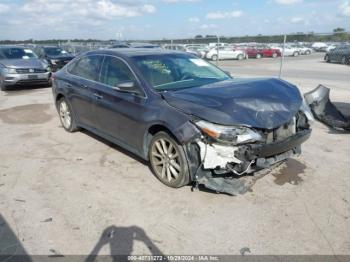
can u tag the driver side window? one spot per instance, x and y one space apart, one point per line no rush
115 71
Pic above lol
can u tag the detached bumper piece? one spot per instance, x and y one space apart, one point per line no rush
324 110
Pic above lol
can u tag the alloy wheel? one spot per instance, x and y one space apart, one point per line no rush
65 114
166 160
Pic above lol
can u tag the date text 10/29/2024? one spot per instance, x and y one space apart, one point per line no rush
173 258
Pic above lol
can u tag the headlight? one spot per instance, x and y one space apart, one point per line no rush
229 134
7 70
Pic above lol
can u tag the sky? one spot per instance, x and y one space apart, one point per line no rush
170 19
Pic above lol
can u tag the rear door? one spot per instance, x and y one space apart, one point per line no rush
84 74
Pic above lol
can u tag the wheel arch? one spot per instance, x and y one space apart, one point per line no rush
151 131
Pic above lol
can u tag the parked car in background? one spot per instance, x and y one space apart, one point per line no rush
143 45
189 119
340 54
303 50
182 48
289 50
120 45
261 51
21 66
319 46
225 53
54 55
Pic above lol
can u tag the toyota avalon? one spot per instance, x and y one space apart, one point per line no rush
190 120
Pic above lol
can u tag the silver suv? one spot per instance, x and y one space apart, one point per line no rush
21 66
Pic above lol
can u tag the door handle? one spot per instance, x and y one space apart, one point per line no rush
98 96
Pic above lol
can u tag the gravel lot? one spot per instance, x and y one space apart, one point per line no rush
64 193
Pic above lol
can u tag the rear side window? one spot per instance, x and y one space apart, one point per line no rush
87 67
115 71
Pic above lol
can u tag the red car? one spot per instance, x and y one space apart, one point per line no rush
261 51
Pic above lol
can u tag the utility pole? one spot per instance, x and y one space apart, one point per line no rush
282 56
217 48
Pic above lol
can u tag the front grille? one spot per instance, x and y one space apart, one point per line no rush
282 132
30 70
32 81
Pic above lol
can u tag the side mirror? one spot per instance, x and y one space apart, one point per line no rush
127 87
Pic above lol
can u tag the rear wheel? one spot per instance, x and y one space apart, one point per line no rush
258 56
240 57
214 57
168 161
66 115
274 55
308 52
344 61
326 58
296 54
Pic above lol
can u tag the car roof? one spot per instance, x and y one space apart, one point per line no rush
132 52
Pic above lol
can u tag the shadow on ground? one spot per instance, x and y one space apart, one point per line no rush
11 249
121 241
14 90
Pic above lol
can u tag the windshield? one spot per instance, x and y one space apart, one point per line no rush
54 51
16 53
177 71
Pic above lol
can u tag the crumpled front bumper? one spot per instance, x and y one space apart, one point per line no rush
222 169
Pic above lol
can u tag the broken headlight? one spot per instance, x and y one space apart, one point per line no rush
229 134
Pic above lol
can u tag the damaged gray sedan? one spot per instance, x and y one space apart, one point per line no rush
192 121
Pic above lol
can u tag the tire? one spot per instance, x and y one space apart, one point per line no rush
240 57
66 115
326 58
258 56
274 55
2 86
295 54
308 52
214 57
170 168
344 60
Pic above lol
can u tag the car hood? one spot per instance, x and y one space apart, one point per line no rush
258 103
23 63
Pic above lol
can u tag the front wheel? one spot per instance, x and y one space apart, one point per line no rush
296 54
2 85
66 115
240 57
258 56
168 161
274 55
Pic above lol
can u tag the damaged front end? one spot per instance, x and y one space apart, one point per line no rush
223 157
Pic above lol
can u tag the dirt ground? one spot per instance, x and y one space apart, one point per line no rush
64 193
